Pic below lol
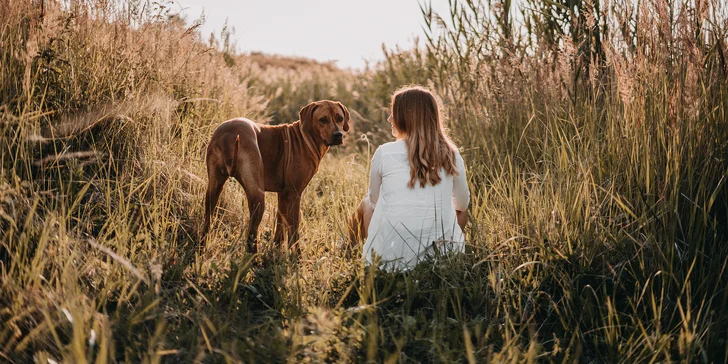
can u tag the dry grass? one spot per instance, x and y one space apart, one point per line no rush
598 171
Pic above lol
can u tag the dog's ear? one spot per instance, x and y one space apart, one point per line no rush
347 116
306 113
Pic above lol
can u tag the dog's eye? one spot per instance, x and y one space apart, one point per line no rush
339 118
324 120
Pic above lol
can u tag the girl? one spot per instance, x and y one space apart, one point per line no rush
418 194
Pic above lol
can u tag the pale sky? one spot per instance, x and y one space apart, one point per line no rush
345 31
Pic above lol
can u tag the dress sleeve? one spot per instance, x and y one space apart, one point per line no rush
460 193
375 177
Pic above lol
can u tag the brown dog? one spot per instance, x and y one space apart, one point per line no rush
279 158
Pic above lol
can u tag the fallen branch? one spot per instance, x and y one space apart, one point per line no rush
65 156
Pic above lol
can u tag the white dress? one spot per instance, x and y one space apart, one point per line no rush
407 221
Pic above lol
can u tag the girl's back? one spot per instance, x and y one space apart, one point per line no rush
408 220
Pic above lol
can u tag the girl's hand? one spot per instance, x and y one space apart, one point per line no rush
462 217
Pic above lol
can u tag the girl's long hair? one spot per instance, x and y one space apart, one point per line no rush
415 113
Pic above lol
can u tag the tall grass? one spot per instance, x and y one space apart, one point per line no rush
596 144
597 140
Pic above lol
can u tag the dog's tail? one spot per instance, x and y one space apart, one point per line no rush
234 167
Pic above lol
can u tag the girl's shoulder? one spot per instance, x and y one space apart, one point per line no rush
457 153
396 147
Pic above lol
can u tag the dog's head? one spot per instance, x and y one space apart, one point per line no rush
326 121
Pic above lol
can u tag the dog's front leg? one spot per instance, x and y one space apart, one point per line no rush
280 220
289 204
293 219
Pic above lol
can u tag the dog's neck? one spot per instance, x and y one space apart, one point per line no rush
316 150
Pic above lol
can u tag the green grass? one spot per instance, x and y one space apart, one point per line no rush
598 172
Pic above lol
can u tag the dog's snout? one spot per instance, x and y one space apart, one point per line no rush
337 138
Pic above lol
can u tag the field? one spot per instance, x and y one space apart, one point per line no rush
595 135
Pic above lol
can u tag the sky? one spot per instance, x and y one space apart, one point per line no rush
345 31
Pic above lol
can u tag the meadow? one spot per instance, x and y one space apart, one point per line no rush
595 135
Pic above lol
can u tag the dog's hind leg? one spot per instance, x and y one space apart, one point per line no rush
256 205
216 181
250 175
